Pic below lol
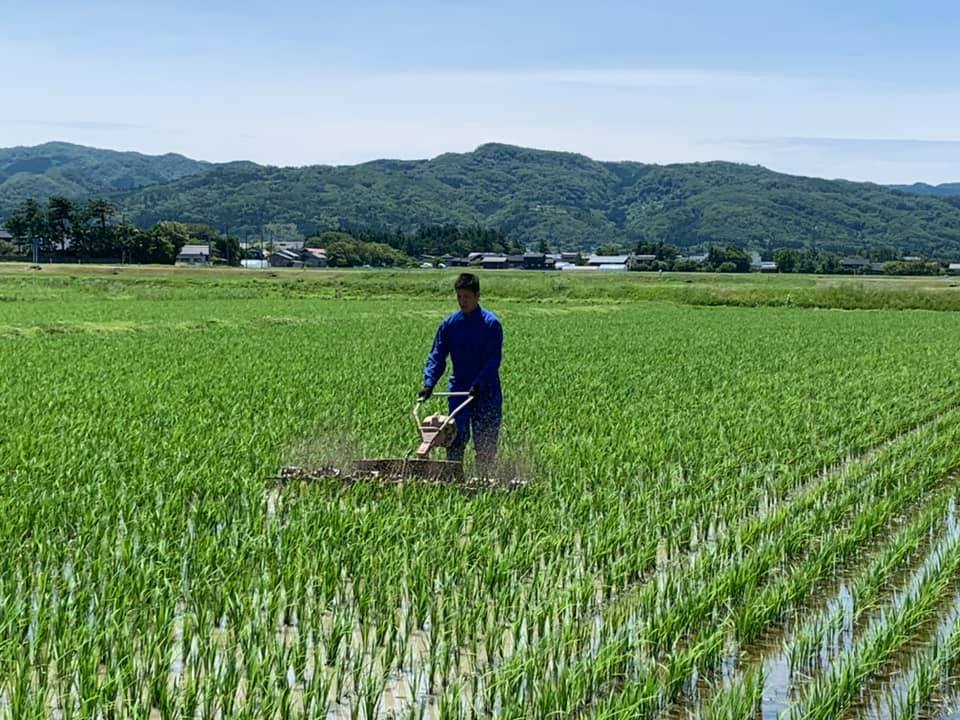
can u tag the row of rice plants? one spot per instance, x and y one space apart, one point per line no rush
664 615
148 572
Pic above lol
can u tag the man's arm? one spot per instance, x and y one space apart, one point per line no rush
491 366
437 359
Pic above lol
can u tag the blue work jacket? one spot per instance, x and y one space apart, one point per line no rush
474 343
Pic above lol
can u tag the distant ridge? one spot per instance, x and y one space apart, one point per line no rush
564 199
944 190
77 171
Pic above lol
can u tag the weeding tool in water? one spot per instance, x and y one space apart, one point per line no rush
436 431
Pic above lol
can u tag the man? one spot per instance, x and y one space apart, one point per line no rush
473 338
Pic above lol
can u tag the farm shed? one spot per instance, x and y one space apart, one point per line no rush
285 258
193 255
314 257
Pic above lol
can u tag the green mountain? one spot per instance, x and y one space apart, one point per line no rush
567 200
944 190
58 168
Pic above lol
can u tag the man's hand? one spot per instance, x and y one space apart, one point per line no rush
425 393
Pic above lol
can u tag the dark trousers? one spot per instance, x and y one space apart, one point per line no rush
483 420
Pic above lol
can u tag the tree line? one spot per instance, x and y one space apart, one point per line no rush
95 230
437 240
731 258
91 231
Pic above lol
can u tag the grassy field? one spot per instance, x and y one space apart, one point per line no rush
742 499
19 282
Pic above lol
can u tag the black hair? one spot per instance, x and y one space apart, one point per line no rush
467 281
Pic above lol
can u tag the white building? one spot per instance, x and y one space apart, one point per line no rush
598 260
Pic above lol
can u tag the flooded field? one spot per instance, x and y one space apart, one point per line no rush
726 512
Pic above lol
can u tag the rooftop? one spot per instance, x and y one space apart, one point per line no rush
194 250
608 259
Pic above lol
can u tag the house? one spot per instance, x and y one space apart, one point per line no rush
695 259
194 255
855 264
285 258
570 257
611 267
644 258
912 258
535 261
494 262
5 236
448 260
953 268
515 261
599 260
768 266
314 257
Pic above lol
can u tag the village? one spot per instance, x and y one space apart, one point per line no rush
296 255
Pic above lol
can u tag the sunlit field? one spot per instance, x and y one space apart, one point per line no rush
741 499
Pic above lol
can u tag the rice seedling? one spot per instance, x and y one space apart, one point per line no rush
152 570
833 691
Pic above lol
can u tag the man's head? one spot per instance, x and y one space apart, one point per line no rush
468 292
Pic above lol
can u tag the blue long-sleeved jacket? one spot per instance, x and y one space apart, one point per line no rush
474 343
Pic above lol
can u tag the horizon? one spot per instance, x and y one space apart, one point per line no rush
859 92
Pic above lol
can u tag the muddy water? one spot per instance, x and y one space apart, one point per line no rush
889 691
782 688
946 706
784 684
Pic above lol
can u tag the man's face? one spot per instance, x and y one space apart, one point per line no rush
467 300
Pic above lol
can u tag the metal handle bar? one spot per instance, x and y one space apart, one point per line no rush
452 415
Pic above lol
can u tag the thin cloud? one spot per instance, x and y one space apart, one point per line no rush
865 143
85 124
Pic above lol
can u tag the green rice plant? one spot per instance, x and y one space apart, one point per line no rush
740 699
831 693
929 672
868 586
135 491
771 600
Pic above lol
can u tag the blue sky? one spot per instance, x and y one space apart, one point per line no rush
866 91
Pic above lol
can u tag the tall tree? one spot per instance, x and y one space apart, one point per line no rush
126 239
227 247
101 211
19 227
39 228
61 216
162 242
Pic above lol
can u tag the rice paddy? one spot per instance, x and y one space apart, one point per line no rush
728 511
